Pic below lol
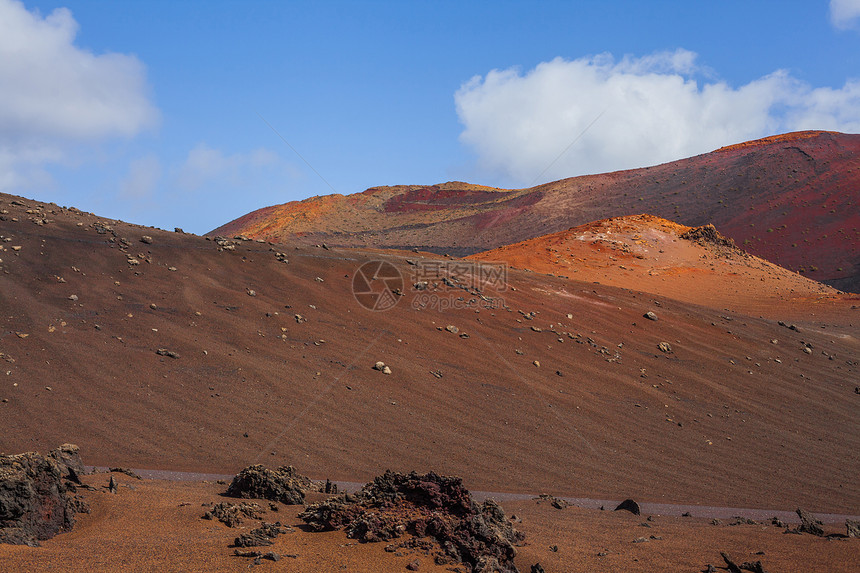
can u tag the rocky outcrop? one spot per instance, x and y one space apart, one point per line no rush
284 484
35 503
429 505
708 234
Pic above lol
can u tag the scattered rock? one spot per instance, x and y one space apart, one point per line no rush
629 505
166 352
665 347
35 504
382 367
556 502
426 505
730 565
754 566
536 568
113 487
452 329
73 297
853 528
650 315
413 565
808 523
284 484
231 514
261 536
300 319
126 471
146 239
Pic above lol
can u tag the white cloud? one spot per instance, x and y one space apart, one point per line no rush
55 95
650 111
206 165
844 13
144 174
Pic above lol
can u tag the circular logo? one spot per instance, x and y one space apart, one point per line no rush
377 285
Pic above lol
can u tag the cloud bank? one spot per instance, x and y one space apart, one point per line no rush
844 13
598 114
55 95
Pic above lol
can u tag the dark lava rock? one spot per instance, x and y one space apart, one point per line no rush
730 565
537 568
231 514
556 502
166 352
68 460
263 535
808 523
428 505
284 484
708 234
35 504
629 505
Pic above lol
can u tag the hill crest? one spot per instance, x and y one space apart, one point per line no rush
791 199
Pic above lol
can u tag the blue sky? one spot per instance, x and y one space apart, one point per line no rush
156 112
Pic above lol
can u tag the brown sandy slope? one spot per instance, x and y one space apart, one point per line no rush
156 526
728 418
791 199
651 254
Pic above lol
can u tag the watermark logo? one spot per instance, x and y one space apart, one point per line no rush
436 285
377 285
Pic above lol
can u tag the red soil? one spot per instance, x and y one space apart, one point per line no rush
156 526
648 253
727 418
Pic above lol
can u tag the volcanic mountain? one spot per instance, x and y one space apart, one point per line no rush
793 199
168 351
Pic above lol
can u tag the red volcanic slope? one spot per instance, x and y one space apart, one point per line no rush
791 199
651 254
162 350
